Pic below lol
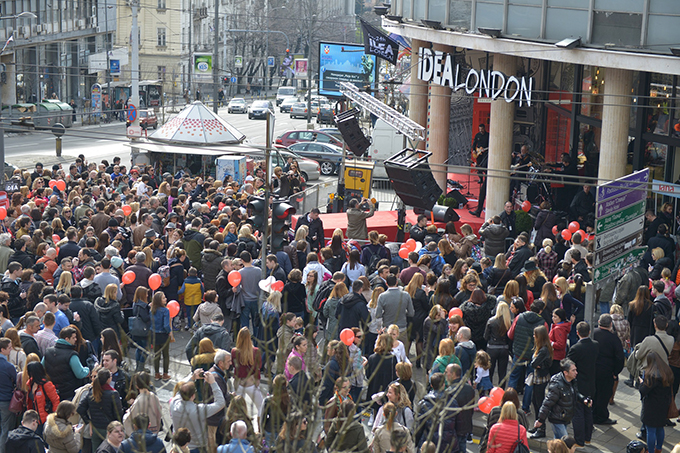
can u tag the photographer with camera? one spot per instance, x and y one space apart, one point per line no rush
357 214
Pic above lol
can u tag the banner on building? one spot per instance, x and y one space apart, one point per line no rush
203 67
379 44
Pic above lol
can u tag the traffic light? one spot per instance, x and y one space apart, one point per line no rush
281 216
257 215
225 80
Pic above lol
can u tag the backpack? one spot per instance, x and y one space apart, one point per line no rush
164 272
373 261
519 446
321 297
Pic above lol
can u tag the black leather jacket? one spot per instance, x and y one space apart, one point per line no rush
560 399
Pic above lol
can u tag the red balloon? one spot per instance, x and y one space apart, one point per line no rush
277 286
61 185
127 210
221 205
574 227
173 307
455 311
129 277
485 404
55 238
52 183
403 252
410 245
234 278
526 206
3 213
347 336
582 234
554 230
496 395
209 204
566 235
155 281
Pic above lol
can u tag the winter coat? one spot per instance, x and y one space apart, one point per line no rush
560 400
59 435
151 443
421 309
503 436
380 372
491 420
545 220
38 400
498 278
464 248
559 334
211 265
640 325
315 228
330 308
90 326
541 362
24 440
466 352
352 437
655 401
294 298
381 439
101 413
110 314
206 311
522 333
143 312
246 244
219 336
352 311
428 427
142 274
193 244
475 316
494 238
176 279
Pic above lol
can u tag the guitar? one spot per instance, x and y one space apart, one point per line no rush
517 167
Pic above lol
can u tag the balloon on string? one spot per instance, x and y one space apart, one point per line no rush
129 277
403 252
582 234
155 281
455 311
555 230
3 213
574 227
61 185
566 235
485 404
266 284
234 278
277 285
173 308
52 183
526 206
496 395
127 210
208 204
56 238
419 246
410 245
347 336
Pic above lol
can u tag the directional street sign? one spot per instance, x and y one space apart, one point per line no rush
615 188
271 62
615 267
619 248
619 218
619 202
619 234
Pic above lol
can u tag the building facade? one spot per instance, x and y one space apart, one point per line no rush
603 74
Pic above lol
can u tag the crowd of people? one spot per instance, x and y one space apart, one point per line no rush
101 266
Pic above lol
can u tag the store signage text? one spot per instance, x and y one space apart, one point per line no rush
437 67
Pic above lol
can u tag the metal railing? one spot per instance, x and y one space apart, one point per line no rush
316 196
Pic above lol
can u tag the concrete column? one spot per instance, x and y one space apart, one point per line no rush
418 97
615 123
438 115
500 142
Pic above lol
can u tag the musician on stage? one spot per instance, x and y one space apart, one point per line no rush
482 163
481 140
520 164
568 169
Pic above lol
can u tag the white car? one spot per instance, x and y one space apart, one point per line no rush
299 109
237 105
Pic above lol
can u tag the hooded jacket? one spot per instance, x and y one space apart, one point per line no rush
59 435
466 352
494 238
464 248
352 311
219 336
109 313
194 416
91 290
476 316
151 443
101 413
24 440
559 333
193 244
211 264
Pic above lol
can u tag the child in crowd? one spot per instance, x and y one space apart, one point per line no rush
398 349
483 382
669 290
192 288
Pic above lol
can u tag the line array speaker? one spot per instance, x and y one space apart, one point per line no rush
411 178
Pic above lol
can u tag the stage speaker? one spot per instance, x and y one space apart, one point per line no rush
351 132
459 197
412 179
441 213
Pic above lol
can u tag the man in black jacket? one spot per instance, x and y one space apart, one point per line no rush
518 254
89 323
215 332
560 400
352 311
508 218
315 225
300 385
417 231
463 394
494 235
121 379
28 343
273 268
610 362
16 305
662 241
427 426
24 439
584 355
20 255
225 293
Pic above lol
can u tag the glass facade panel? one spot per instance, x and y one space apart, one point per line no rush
524 21
663 30
620 29
664 6
489 15
437 10
619 5
525 2
592 87
585 4
406 8
566 23
419 10
589 148
660 112
460 13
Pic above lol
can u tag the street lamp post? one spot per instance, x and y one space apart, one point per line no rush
2 125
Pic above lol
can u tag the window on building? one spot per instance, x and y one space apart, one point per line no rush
161 4
161 72
161 37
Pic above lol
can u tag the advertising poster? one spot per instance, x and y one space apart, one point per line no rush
203 67
301 68
96 99
344 63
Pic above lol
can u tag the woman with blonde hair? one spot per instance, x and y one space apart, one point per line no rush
230 235
434 329
247 242
503 436
247 364
464 247
396 394
382 434
447 356
301 236
329 309
398 349
108 308
498 343
446 252
65 283
510 292
421 307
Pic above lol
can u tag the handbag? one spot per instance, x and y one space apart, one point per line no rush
673 410
18 402
137 327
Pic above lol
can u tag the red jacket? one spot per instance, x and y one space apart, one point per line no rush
503 437
39 396
559 333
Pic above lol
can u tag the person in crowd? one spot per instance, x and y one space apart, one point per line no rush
495 334
161 334
584 354
510 395
142 439
63 364
25 438
640 312
436 429
394 306
504 435
42 394
494 233
660 342
356 218
541 364
59 434
238 442
146 402
247 364
610 362
100 406
656 393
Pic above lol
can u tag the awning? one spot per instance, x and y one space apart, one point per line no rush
151 147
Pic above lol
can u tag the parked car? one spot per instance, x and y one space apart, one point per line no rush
310 169
237 105
147 119
299 109
258 109
325 114
329 156
287 104
331 131
290 137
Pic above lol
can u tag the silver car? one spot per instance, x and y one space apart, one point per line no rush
237 105
299 109
258 109
287 104
309 168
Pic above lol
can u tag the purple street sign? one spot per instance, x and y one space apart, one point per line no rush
620 185
606 207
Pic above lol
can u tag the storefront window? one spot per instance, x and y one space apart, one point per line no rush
592 87
660 114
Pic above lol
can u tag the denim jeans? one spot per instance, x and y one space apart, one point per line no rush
517 373
140 353
250 312
355 393
559 429
604 307
655 437
462 444
7 422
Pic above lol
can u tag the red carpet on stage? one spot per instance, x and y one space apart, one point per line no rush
385 222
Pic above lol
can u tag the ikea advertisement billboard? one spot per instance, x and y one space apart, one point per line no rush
340 62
